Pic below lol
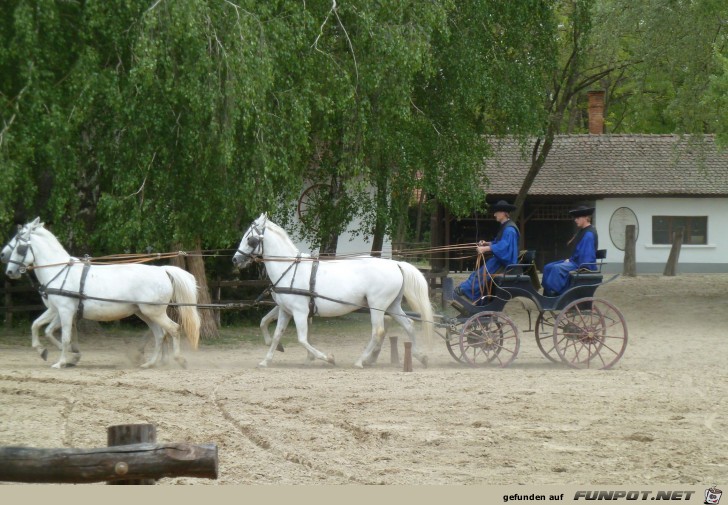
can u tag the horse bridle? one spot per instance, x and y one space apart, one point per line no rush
255 242
22 245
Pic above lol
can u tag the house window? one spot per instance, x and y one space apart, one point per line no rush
694 229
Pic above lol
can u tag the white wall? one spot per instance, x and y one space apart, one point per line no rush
651 258
348 243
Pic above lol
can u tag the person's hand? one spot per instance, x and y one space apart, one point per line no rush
482 249
566 260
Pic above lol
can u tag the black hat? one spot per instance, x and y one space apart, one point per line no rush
581 210
502 206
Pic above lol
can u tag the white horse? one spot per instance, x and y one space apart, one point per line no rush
107 292
341 286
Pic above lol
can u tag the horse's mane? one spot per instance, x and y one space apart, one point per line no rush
46 235
281 233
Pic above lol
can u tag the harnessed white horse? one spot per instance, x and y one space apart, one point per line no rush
332 288
77 289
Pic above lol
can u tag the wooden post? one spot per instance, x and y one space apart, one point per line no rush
394 354
408 356
671 266
630 262
125 434
8 305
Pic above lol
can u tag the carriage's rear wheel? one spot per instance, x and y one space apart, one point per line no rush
489 338
590 333
545 335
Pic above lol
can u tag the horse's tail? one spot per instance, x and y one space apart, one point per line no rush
185 293
417 293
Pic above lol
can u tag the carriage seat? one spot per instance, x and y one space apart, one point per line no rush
585 275
523 272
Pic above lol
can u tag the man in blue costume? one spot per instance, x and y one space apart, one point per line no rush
504 248
583 253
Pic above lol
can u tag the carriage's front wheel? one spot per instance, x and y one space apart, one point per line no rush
489 338
451 335
545 335
590 333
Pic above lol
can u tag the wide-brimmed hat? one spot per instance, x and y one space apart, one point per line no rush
502 206
581 210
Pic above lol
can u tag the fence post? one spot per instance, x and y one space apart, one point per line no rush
126 434
671 266
8 305
394 351
630 262
408 356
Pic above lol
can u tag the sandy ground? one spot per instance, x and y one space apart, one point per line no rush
659 416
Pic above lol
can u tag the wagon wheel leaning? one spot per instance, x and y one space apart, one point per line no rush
310 202
590 333
545 335
489 338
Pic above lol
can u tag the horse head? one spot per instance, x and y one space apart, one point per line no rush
10 246
20 252
251 245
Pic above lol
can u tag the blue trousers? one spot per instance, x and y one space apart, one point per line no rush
556 277
471 286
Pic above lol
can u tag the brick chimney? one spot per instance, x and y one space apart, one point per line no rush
596 112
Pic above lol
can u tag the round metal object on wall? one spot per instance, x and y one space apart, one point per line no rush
622 217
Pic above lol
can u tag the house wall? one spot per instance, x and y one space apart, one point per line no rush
348 243
651 258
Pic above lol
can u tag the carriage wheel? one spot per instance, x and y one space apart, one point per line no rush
545 335
590 333
452 341
489 338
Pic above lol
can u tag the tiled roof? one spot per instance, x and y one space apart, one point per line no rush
613 165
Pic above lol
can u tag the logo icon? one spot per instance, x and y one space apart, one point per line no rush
712 496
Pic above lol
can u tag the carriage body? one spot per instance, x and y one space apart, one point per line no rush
575 328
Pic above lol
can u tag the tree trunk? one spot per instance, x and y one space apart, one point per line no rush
380 226
195 264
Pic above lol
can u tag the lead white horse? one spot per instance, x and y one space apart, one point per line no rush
108 292
341 286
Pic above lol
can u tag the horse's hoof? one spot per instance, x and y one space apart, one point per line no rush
182 362
44 354
280 348
263 364
424 360
330 359
359 364
146 365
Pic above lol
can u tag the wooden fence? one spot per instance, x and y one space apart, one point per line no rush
132 457
10 306
219 293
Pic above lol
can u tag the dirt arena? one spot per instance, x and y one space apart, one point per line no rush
660 416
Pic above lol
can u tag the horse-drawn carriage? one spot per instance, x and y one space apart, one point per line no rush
574 327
